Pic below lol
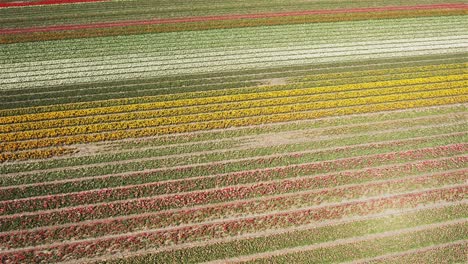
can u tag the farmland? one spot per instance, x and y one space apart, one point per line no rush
210 131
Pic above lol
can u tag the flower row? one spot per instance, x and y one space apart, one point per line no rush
214 97
157 238
71 180
222 24
404 101
374 246
132 222
233 103
290 173
307 235
280 106
392 71
35 154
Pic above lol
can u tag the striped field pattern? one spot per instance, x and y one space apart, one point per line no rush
248 131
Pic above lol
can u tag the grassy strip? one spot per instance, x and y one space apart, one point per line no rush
302 237
155 238
135 30
237 208
374 247
323 148
236 140
218 189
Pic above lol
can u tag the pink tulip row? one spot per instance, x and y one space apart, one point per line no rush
220 211
191 184
159 238
163 202
62 182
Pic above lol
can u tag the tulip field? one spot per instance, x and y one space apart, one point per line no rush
248 131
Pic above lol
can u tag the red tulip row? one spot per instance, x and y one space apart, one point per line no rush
89 31
293 171
232 209
43 2
158 238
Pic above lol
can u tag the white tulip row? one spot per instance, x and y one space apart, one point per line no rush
273 60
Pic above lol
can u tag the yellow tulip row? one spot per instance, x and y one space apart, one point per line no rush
138 100
84 107
35 154
256 93
249 116
430 68
288 97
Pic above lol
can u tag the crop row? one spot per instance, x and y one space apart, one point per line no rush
155 238
401 103
205 97
176 142
229 96
370 247
137 10
109 91
53 182
249 158
450 252
58 124
168 57
317 78
322 149
143 87
199 49
187 57
390 71
35 154
278 58
238 139
131 30
151 216
47 16
211 81
289 238
275 58
281 106
378 118
203 40
258 183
